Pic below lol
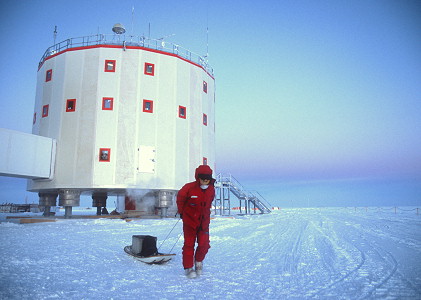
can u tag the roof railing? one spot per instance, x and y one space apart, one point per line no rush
124 41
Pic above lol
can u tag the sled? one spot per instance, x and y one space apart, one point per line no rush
158 259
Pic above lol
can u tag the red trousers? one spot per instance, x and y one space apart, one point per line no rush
203 244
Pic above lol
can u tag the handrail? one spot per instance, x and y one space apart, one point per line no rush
124 41
241 193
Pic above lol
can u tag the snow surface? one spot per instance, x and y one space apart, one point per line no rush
318 253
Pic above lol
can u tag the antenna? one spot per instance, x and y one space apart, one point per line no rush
55 34
207 41
132 19
207 34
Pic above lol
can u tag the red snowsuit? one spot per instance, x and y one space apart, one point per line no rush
194 204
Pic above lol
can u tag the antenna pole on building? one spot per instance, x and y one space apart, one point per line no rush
207 34
55 34
207 42
132 20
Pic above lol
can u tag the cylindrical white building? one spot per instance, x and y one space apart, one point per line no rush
130 117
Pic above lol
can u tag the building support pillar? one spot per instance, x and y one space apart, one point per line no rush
47 200
68 199
99 200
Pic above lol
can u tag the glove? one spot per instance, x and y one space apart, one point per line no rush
181 216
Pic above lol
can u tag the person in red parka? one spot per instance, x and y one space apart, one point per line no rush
194 202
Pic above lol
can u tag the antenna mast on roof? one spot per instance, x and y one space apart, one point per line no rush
132 19
55 34
207 34
207 42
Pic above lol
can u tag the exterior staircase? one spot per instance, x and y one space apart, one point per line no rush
250 202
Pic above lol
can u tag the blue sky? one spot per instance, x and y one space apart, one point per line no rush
306 90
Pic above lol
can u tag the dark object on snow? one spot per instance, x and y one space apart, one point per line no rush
104 211
144 248
148 246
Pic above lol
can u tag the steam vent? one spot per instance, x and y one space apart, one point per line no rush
130 116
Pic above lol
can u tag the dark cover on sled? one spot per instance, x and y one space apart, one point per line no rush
149 246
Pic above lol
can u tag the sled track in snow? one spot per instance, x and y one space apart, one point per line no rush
381 287
292 258
350 273
391 279
344 277
376 275
392 261
375 272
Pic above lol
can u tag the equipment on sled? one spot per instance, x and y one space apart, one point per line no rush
144 249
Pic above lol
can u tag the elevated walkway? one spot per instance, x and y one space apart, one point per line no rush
250 202
26 155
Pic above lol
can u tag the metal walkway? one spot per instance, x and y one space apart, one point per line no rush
250 202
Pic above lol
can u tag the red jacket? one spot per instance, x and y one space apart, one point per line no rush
194 203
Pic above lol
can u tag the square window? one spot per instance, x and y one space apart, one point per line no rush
70 105
104 154
49 75
149 69
148 106
205 119
205 86
182 112
109 66
107 103
205 161
45 111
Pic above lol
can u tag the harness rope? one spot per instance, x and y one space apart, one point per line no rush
169 235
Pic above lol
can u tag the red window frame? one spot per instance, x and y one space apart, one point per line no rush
180 112
147 72
45 109
105 100
205 161
70 105
48 75
205 119
106 66
104 154
147 103
205 86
